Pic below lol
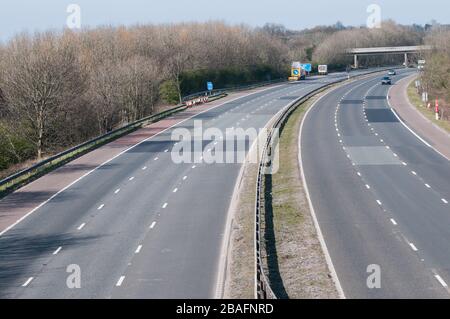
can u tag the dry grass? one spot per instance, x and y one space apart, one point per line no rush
416 100
241 260
301 262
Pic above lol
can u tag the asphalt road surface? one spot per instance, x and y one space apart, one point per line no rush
380 194
140 226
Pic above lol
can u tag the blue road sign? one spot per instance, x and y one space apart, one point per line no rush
295 72
307 67
210 86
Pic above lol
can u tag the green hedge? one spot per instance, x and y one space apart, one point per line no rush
22 150
195 81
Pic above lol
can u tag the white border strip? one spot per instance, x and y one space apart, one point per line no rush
311 206
408 128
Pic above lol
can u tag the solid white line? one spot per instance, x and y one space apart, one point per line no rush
138 249
81 226
57 251
441 281
175 190
393 221
152 225
311 206
117 191
120 281
413 247
27 282
165 205
101 207
400 120
444 200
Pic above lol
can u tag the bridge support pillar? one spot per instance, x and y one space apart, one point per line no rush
356 61
406 60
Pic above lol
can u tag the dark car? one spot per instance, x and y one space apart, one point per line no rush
386 81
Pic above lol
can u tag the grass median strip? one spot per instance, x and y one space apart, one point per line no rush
293 257
292 250
241 262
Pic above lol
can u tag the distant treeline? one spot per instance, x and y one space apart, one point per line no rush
60 89
436 75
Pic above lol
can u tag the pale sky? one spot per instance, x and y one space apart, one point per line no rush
38 15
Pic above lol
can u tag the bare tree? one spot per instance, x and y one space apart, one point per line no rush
39 77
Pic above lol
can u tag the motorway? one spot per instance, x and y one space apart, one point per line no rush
380 194
140 226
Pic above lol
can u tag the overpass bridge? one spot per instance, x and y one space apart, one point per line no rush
405 50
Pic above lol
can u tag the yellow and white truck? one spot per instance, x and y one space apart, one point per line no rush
297 72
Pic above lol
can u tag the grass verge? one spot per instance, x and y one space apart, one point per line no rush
416 100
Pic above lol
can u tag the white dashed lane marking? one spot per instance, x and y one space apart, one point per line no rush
413 247
101 206
393 221
152 225
138 249
57 251
28 281
117 191
165 205
81 226
441 281
120 281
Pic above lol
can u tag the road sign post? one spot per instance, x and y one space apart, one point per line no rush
209 86
437 110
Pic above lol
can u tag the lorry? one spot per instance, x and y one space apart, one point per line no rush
323 69
297 72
